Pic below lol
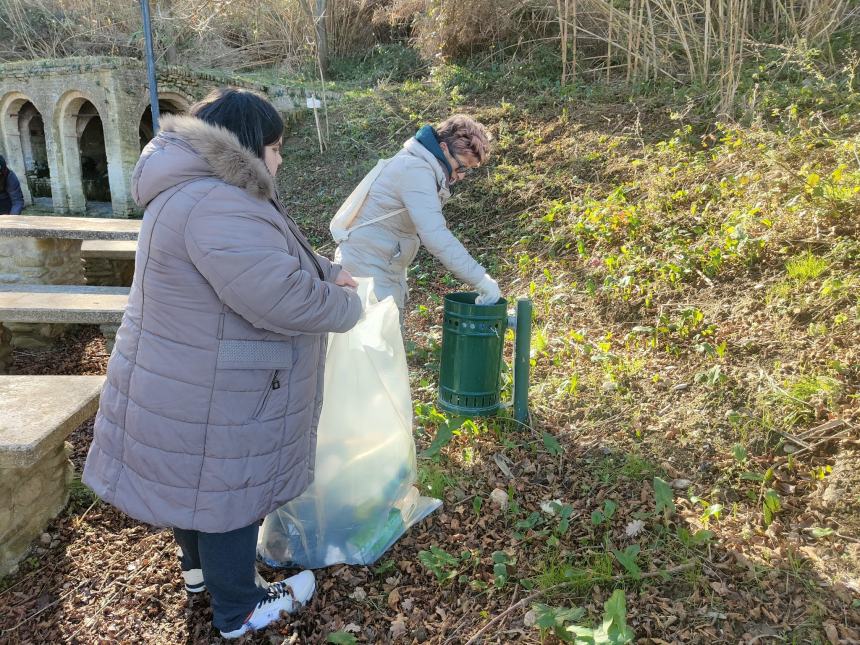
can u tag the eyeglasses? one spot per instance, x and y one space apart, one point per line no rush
461 168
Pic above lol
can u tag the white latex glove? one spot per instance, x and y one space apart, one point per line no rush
488 291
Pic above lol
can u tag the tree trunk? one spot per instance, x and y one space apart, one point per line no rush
317 16
321 36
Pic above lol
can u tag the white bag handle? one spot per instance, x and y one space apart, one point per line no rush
341 224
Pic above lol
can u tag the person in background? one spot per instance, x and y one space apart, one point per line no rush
11 197
207 421
403 210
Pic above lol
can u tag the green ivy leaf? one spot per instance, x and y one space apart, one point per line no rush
341 638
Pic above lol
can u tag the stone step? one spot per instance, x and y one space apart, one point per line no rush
108 249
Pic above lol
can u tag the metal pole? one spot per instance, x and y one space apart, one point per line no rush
522 359
150 65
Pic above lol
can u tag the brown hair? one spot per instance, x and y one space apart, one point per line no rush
463 134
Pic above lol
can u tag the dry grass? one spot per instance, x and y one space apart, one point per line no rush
705 42
226 35
702 41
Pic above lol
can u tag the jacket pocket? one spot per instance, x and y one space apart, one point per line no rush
274 384
241 366
403 253
395 255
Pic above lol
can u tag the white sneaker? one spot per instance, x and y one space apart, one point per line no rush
288 595
194 581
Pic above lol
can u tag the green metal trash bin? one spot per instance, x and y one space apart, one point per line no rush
472 342
473 337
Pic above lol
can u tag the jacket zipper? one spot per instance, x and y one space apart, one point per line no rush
274 385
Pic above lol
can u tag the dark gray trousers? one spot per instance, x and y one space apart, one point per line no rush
228 561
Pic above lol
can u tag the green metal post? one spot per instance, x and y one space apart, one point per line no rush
522 358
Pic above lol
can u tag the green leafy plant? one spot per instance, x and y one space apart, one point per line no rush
712 377
385 567
477 504
664 498
613 630
627 559
710 510
819 532
530 523
554 620
770 506
444 430
341 638
434 480
698 538
552 445
81 496
501 574
444 566
604 515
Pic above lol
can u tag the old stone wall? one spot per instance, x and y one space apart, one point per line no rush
30 497
108 272
26 260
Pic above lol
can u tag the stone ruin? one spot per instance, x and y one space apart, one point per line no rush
72 129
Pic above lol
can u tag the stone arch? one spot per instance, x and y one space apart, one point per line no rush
169 102
85 161
25 142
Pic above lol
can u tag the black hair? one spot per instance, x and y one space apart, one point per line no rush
246 114
4 173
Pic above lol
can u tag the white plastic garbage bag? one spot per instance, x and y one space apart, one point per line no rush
363 497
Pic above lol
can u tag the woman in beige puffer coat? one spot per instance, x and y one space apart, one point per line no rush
403 210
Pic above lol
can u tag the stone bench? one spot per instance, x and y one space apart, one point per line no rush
65 304
37 414
109 249
42 249
109 262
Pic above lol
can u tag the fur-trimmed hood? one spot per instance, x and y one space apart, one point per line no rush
188 148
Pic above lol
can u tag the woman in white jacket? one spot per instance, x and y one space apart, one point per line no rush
403 210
